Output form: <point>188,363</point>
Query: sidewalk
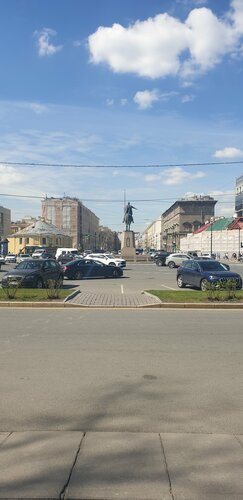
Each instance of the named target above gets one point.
<point>120,465</point>
<point>89,299</point>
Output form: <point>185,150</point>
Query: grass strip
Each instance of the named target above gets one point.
<point>33,295</point>
<point>190,296</point>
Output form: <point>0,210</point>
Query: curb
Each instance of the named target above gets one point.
<point>161,305</point>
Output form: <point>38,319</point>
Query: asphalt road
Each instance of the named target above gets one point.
<point>143,371</point>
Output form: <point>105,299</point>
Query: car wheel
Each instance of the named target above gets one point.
<point>78,275</point>
<point>171,264</point>
<point>60,282</point>
<point>159,263</point>
<point>204,285</point>
<point>115,273</point>
<point>39,283</point>
<point>180,282</point>
<point>112,264</point>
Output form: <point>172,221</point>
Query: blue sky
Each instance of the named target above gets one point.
<point>115,83</point>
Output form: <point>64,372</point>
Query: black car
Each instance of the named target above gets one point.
<point>33,273</point>
<point>160,258</point>
<point>89,268</point>
<point>199,273</point>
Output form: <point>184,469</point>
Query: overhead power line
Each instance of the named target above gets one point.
<point>157,165</point>
<point>101,200</point>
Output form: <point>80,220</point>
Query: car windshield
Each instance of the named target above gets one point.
<point>211,266</point>
<point>29,265</point>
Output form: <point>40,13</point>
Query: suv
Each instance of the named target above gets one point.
<point>161,257</point>
<point>176,259</point>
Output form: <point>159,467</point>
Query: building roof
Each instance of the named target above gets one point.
<point>220,224</point>
<point>200,201</point>
<point>236,223</point>
<point>40,227</point>
<point>202,228</point>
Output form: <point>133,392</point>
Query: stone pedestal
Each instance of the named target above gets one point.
<point>128,245</point>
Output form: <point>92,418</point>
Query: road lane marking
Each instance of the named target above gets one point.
<point>169,287</point>
<point>122,290</point>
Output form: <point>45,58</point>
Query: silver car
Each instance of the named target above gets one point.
<point>176,259</point>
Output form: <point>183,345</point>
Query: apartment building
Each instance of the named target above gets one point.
<point>5,222</point>
<point>69,214</point>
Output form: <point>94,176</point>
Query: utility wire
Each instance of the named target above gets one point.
<point>101,200</point>
<point>161,165</point>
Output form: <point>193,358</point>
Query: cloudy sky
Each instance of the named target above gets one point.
<point>134,92</point>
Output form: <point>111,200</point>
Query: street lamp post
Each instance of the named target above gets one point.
<point>211,237</point>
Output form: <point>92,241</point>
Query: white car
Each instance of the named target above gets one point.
<point>23,256</point>
<point>106,259</point>
<point>176,259</point>
<point>10,257</point>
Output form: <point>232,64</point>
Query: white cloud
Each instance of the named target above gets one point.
<point>228,153</point>
<point>36,107</point>
<point>109,102</point>
<point>10,175</point>
<point>187,98</point>
<point>45,48</point>
<point>124,101</point>
<point>146,98</point>
<point>173,175</point>
<point>77,43</point>
<point>177,175</point>
<point>165,46</point>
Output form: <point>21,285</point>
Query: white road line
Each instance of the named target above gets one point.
<point>169,287</point>
<point>122,290</point>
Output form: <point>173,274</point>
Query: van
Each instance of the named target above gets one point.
<point>65,251</point>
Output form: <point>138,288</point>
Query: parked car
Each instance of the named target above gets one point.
<point>10,258</point>
<point>90,268</point>
<point>208,255</point>
<point>199,273</point>
<point>67,257</point>
<point>107,259</point>
<point>160,258</point>
<point>2,259</point>
<point>176,259</point>
<point>33,273</point>
<point>45,256</point>
<point>23,256</point>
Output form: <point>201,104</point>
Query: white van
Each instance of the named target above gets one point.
<point>65,251</point>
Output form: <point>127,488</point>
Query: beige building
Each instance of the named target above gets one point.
<point>151,237</point>
<point>183,217</point>
<point>39,233</point>
<point>70,215</point>
<point>5,222</point>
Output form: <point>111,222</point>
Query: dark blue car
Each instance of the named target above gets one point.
<point>89,268</point>
<point>199,273</point>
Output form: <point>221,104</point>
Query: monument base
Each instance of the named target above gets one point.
<point>128,245</point>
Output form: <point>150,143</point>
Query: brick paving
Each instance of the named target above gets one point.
<point>88,299</point>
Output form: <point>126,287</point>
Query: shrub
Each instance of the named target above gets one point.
<point>10,290</point>
<point>53,289</point>
<point>222,290</point>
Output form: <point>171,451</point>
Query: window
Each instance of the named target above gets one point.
<point>43,241</point>
<point>20,241</point>
<point>27,240</point>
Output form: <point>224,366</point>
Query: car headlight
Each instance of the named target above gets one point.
<point>212,277</point>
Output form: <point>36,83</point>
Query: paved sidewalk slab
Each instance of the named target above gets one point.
<point>36,464</point>
<point>120,466</point>
<point>204,467</point>
<point>87,299</point>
